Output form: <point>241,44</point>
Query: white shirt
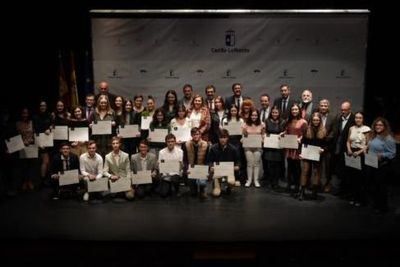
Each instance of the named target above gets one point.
<point>266,111</point>
<point>174,154</point>
<point>324,118</point>
<point>90,165</point>
<point>344,120</point>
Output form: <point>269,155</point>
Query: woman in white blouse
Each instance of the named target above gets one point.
<point>357,143</point>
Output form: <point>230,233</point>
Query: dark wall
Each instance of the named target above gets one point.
<point>34,45</point>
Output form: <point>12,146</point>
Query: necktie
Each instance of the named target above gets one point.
<point>283,105</point>
<point>196,150</point>
<point>66,164</point>
<point>263,116</point>
<point>209,104</point>
<point>89,112</point>
<point>238,102</point>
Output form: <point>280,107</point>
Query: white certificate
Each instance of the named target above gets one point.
<point>158,135</point>
<point>29,152</point>
<point>198,172</point>
<point>272,141</point>
<point>234,128</point>
<point>15,144</point>
<point>45,140</point>
<point>101,128</point>
<point>60,133</point>
<point>145,124</point>
<point>98,185</point>
<point>129,131</point>
<point>169,166</point>
<point>79,134</point>
<point>353,162</point>
<point>142,177</point>
<point>252,141</point>
<point>123,184</point>
<point>371,159</point>
<point>310,152</point>
<point>69,177</point>
<point>225,169</point>
<point>182,134</point>
<point>289,141</point>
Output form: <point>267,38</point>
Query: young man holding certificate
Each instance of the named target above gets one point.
<point>170,166</point>
<point>63,164</point>
<point>195,154</point>
<point>223,152</point>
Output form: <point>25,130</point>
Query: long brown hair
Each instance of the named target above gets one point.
<point>385,132</point>
<point>313,132</point>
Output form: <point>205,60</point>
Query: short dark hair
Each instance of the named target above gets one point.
<point>65,143</point>
<point>144,142</point>
<point>194,130</point>
<point>223,133</point>
<point>91,142</point>
<point>170,136</point>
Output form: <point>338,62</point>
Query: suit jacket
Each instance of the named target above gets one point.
<point>136,162</point>
<point>230,100</point>
<point>278,103</point>
<point>341,135</point>
<point>330,128</point>
<point>58,166</point>
<point>120,168</point>
<point>311,107</point>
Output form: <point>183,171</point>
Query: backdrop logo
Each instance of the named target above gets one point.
<point>114,74</point>
<point>343,75</point>
<point>228,75</point>
<point>172,75</point>
<point>230,38</point>
<point>286,75</point>
<point>230,45</point>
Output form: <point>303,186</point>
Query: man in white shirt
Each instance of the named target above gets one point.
<point>91,165</point>
<point>265,109</point>
<point>170,181</point>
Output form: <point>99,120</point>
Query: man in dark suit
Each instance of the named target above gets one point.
<point>236,98</point>
<point>328,121</point>
<point>187,98</point>
<point>89,107</point>
<point>210,97</point>
<point>104,90</point>
<point>285,101</point>
<point>63,161</point>
<point>342,124</point>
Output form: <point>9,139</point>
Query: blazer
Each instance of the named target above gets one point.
<point>230,100</point>
<point>58,166</point>
<point>136,162</point>
<point>278,103</point>
<point>340,136</point>
<point>121,169</point>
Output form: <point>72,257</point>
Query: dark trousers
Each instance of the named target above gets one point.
<point>143,189</point>
<point>274,171</point>
<point>377,186</point>
<point>166,188</point>
<point>294,171</point>
<point>341,173</point>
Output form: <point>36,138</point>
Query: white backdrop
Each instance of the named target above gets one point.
<point>325,53</point>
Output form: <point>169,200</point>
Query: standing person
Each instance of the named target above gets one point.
<point>328,121</point>
<point>130,117</point>
<point>91,166</point>
<point>195,153</point>
<point>273,159</point>
<point>88,109</point>
<point>159,122</point>
<point>103,112</point>
<point>253,126</point>
<point>285,101</point>
<point>187,98</point>
<point>170,105</point>
<point>144,160</point>
<point>237,97</point>
<point>223,151</point>
<point>384,146</point>
<point>307,105</point>
<point>170,181</point>
<point>63,161</point>
<point>24,127</point>
<point>343,122</point>
<point>210,97</point>
<point>77,120</point>
<point>315,136</point>
<point>42,124</point>
<point>117,165</point>
<point>216,119</point>
<point>265,108</point>
<point>148,112</point>
<point>181,121</point>
<point>104,90</point>
<point>199,116</point>
<point>295,126</point>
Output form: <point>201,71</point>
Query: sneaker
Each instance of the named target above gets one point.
<point>237,183</point>
<point>357,204</point>
<point>257,184</point>
<point>352,202</point>
<point>55,196</point>
<point>248,183</point>
<point>86,196</point>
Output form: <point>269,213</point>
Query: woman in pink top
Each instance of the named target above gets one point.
<point>253,126</point>
<point>295,126</point>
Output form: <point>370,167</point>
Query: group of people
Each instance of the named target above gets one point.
<point>208,119</point>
